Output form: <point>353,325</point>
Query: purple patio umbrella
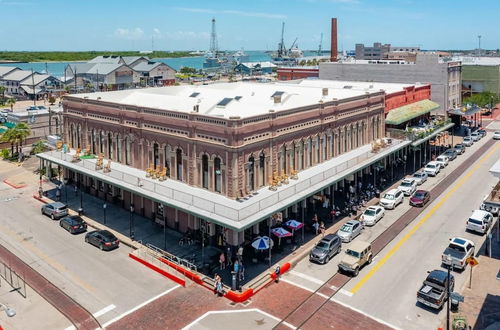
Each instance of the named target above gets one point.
<point>294,225</point>
<point>281,232</point>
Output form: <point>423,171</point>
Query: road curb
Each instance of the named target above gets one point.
<point>13,185</point>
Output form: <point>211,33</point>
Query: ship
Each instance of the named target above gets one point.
<point>284,56</point>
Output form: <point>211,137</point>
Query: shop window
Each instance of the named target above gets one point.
<point>217,175</point>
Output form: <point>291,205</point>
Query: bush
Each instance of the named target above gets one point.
<point>52,100</point>
<point>5,153</point>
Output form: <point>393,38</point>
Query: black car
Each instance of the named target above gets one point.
<point>74,224</point>
<point>329,246</point>
<point>102,239</point>
<point>459,148</point>
<point>450,153</point>
<point>482,132</point>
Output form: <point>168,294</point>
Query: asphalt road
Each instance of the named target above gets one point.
<point>390,293</point>
<point>108,284</point>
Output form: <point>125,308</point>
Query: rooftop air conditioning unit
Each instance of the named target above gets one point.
<point>325,91</point>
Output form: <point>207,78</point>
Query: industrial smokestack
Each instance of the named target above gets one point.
<point>333,51</point>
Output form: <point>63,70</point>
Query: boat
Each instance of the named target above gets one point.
<point>284,56</point>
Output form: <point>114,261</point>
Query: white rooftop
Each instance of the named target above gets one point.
<point>242,99</point>
<point>474,60</point>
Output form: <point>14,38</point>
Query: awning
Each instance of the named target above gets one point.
<point>402,114</point>
<point>465,111</point>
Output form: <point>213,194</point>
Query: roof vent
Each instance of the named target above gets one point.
<point>325,91</point>
<point>196,108</point>
<point>277,99</point>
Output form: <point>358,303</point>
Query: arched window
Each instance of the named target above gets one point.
<point>251,173</point>
<point>262,169</point>
<point>292,157</point>
<point>301,155</point>
<point>318,150</point>
<point>110,146</point>
<point>128,159</point>
<point>119,149</point>
<point>72,135</point>
<point>217,175</point>
<point>78,136</point>
<point>346,136</point>
<point>310,151</point>
<point>156,155</point>
<point>167,159</point>
<point>178,159</point>
<point>283,159</point>
<point>204,171</point>
<point>353,138</point>
<point>101,142</point>
<point>323,143</point>
<point>339,138</point>
<point>331,145</point>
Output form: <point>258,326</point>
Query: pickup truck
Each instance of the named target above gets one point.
<point>458,250</point>
<point>434,290</point>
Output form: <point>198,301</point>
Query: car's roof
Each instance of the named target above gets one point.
<point>328,237</point>
<point>374,207</point>
<point>57,204</point>
<point>359,245</point>
<point>479,214</point>
<point>460,145</point>
<point>442,156</point>
<point>460,240</point>
<point>439,275</point>
<point>352,222</point>
<point>421,191</point>
<point>432,163</point>
<point>419,173</point>
<point>392,191</point>
<point>408,180</point>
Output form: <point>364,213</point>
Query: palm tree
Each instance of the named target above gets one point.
<point>22,132</point>
<point>9,136</point>
<point>10,102</point>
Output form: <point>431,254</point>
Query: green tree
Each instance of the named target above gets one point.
<point>52,100</point>
<point>2,91</point>
<point>16,135</point>
<point>10,102</point>
<point>483,100</point>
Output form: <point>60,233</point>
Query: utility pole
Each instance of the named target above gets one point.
<point>33,83</point>
<point>479,48</point>
<point>320,44</point>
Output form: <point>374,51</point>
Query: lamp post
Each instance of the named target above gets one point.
<point>66,189</point>
<point>104,206</point>
<point>131,223</point>
<point>80,210</point>
<point>448,259</point>
<point>9,311</point>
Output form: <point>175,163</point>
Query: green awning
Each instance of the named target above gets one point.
<point>406,112</point>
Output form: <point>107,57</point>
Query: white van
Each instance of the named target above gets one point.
<point>391,199</point>
<point>480,221</point>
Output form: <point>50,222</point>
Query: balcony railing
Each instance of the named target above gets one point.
<point>417,133</point>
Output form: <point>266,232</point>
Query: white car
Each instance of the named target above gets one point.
<point>480,221</point>
<point>496,135</point>
<point>391,199</point>
<point>420,177</point>
<point>372,215</point>
<point>476,136</point>
<point>408,186</point>
<point>468,141</point>
<point>432,168</point>
<point>442,160</point>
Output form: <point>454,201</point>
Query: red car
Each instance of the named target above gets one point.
<point>420,198</point>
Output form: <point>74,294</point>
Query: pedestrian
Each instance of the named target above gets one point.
<point>316,227</point>
<point>241,273</point>
<point>325,202</point>
<point>216,280</point>
<point>58,194</point>
<point>322,229</point>
<point>222,261</point>
<point>236,266</point>
<point>315,218</point>
<point>76,190</point>
<point>239,253</point>
<point>229,256</point>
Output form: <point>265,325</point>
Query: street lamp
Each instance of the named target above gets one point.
<point>9,311</point>
<point>448,260</point>
<point>66,189</point>
<point>131,221</point>
<point>104,206</point>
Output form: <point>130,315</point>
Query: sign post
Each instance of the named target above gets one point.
<point>472,262</point>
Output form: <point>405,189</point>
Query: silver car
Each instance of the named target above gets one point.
<point>55,210</point>
<point>420,177</point>
<point>350,230</point>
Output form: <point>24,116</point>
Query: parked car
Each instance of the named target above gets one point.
<point>74,224</point>
<point>451,154</point>
<point>482,132</point>
<point>480,221</point>
<point>355,257</point>
<point>420,198</point>
<point>372,215</point>
<point>496,135</point>
<point>420,177</point>
<point>467,141</point>
<point>102,239</point>
<point>442,160</point>
<point>391,199</point>
<point>459,148</point>
<point>32,108</point>
<point>489,206</point>
<point>350,230</point>
<point>408,186</point>
<point>476,136</point>
<point>434,290</point>
<point>329,246</point>
<point>55,210</point>
<point>459,250</point>
<point>432,168</point>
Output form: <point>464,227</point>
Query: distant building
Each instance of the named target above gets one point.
<point>380,51</point>
<point>410,57</point>
<point>480,74</point>
<point>39,86</point>
<point>252,68</point>
<point>155,73</point>
<point>444,77</point>
<point>12,81</point>
<point>5,70</point>
<point>297,72</point>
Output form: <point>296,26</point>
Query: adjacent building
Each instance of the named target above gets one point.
<point>381,51</point>
<point>480,74</point>
<point>443,76</point>
<point>297,72</point>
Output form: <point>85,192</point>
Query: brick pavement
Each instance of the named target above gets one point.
<point>79,316</point>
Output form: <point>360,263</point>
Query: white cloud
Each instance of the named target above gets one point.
<point>130,34</point>
<point>234,12</point>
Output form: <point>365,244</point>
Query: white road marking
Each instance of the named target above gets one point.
<point>307,277</point>
<point>347,293</point>
<point>140,306</point>
<point>238,311</point>
<point>305,288</point>
<point>367,315</point>
<point>104,310</point>
<point>71,327</point>
<point>333,287</point>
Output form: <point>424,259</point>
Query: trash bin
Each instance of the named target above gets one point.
<point>454,305</point>
<point>80,211</point>
<point>233,281</point>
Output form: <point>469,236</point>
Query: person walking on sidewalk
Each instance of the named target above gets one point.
<point>239,254</point>
<point>222,261</point>
<point>58,194</point>
<point>322,229</point>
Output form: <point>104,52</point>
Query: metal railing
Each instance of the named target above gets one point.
<point>230,209</point>
<point>14,279</point>
<point>172,258</point>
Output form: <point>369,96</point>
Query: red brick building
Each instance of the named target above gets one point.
<point>292,73</point>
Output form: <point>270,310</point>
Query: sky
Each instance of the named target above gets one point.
<point>72,25</point>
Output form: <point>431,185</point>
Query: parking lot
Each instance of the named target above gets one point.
<point>108,284</point>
